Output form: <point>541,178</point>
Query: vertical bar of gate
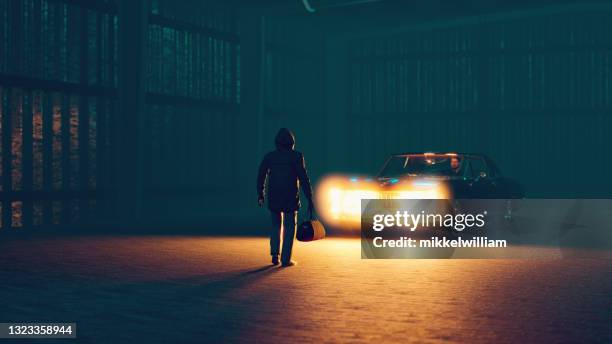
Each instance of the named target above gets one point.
<point>101,80</point>
<point>7,180</point>
<point>65,132</point>
<point>27,158</point>
<point>83,129</point>
<point>127,132</point>
<point>47,114</point>
<point>105,116</point>
<point>101,157</point>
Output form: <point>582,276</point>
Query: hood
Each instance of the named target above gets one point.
<point>284,139</point>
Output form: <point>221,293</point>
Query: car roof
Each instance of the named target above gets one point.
<point>489,162</point>
<point>440,153</point>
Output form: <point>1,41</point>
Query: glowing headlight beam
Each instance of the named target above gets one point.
<point>339,197</point>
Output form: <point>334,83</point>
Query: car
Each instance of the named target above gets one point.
<point>419,176</point>
<point>464,175</point>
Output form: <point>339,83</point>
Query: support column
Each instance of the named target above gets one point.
<point>251,123</point>
<point>126,124</point>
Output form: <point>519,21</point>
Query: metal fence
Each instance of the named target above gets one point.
<point>59,62</point>
<point>57,95</point>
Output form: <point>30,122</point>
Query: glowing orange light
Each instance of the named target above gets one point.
<point>339,200</point>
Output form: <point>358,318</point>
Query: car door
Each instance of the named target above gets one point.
<point>484,184</point>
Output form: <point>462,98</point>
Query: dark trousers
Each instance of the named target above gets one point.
<point>288,220</point>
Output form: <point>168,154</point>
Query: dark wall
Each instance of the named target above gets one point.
<point>294,88</point>
<point>191,151</point>
<point>529,88</point>
<point>147,112</point>
<point>157,112</point>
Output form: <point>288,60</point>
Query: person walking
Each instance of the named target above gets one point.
<point>281,174</point>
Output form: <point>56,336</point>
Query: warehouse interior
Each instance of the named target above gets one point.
<point>154,114</point>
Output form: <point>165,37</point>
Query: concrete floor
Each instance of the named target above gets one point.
<point>179,289</point>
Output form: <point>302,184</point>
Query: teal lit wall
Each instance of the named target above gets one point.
<point>531,89</point>
<point>155,113</point>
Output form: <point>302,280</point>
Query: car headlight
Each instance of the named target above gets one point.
<point>338,198</point>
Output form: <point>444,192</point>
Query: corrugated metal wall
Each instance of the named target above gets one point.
<point>293,88</point>
<point>57,93</point>
<point>193,110</point>
<point>79,145</point>
<point>531,90</point>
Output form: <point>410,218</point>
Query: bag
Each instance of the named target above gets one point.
<point>310,230</point>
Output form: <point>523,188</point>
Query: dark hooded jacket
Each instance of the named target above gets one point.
<point>285,171</point>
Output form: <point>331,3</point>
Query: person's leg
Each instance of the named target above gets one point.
<point>275,235</point>
<point>289,227</point>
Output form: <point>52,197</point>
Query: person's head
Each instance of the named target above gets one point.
<point>284,139</point>
<point>454,163</point>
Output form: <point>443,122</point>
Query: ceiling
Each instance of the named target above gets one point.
<point>355,16</point>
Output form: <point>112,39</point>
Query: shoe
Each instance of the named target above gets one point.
<point>274,260</point>
<point>289,263</point>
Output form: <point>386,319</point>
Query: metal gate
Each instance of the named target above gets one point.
<point>57,95</point>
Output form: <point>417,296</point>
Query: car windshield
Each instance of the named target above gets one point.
<point>423,165</point>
